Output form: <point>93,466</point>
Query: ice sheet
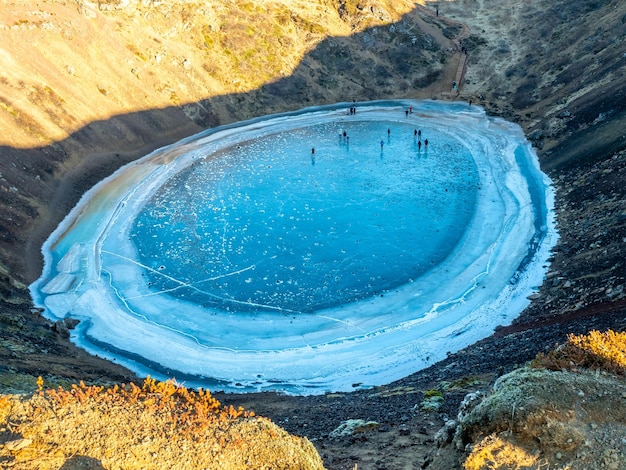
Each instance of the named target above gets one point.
<point>240,259</point>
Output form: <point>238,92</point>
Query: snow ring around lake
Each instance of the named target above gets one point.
<point>307,252</point>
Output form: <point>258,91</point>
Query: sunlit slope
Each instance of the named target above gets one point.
<point>66,64</point>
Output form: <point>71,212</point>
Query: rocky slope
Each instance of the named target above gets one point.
<point>88,86</point>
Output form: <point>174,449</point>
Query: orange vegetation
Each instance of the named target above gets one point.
<point>189,412</point>
<point>600,351</point>
<point>153,426</point>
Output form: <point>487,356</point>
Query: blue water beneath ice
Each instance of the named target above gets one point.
<point>240,259</point>
<point>268,224</point>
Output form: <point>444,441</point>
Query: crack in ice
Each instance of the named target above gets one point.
<point>183,284</point>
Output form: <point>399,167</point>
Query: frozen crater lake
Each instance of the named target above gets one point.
<point>307,252</point>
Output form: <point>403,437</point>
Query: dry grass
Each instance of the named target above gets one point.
<point>156,425</point>
<point>494,453</point>
<point>596,350</point>
<point>190,413</point>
